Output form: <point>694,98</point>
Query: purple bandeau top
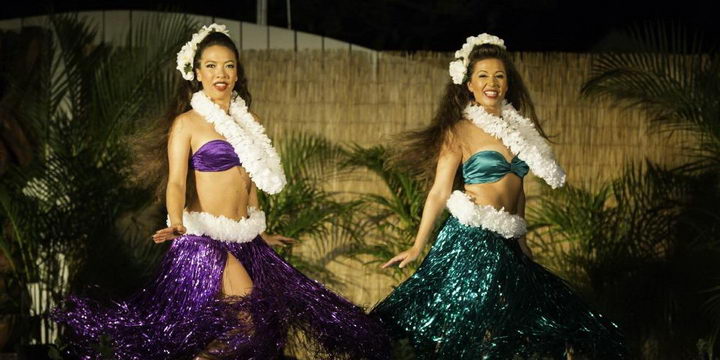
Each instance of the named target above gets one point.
<point>214,155</point>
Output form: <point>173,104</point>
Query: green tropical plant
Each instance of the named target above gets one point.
<point>672,78</point>
<point>673,74</point>
<point>391,219</point>
<point>60,211</point>
<point>643,247</point>
<point>323,220</point>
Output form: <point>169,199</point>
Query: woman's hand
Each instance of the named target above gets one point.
<point>404,257</point>
<point>277,240</point>
<point>169,233</point>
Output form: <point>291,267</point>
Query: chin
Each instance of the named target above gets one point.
<point>490,103</point>
<point>215,93</point>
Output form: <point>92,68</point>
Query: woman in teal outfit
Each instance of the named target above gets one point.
<point>478,294</point>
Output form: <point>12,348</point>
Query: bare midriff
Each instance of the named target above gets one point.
<point>503,193</point>
<point>222,193</point>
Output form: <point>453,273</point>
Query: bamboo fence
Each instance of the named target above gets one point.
<point>364,98</point>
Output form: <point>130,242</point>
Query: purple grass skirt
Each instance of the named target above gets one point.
<point>182,314</point>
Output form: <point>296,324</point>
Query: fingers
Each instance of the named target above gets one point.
<point>403,258</point>
<point>272,240</point>
<point>392,261</point>
<point>159,238</point>
<point>286,240</point>
<point>277,242</point>
<point>167,234</point>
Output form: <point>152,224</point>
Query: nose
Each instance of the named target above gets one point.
<point>223,72</point>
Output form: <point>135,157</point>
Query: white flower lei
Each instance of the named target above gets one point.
<point>485,216</point>
<point>187,53</point>
<point>458,68</point>
<point>247,137</point>
<point>519,134</point>
<point>222,228</point>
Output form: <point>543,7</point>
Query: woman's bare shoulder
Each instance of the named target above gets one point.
<point>462,126</point>
<point>186,120</point>
<point>457,136</point>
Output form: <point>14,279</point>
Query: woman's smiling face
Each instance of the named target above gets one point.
<point>217,71</point>
<point>488,83</point>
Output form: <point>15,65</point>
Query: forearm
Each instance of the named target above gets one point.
<point>175,203</point>
<point>434,206</point>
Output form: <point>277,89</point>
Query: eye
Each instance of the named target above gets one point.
<point>231,66</point>
<point>210,66</point>
<point>482,75</point>
<point>500,76</point>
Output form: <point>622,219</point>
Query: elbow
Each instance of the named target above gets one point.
<point>175,187</point>
<point>440,195</point>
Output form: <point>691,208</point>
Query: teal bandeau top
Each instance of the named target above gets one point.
<point>490,166</point>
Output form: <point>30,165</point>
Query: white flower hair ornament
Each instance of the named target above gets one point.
<point>187,53</point>
<point>458,67</point>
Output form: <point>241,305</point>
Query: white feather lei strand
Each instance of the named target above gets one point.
<point>247,137</point>
<point>222,228</point>
<point>519,134</point>
<point>485,216</point>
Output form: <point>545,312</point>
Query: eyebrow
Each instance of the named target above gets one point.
<point>228,61</point>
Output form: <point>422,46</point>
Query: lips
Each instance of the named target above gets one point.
<point>492,94</point>
<point>220,86</point>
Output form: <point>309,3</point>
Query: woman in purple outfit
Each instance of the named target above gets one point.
<point>221,291</point>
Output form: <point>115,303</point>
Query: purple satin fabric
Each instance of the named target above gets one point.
<point>214,155</point>
<point>181,314</point>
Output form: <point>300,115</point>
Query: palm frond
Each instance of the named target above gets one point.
<point>63,206</point>
<point>633,245</point>
<point>393,218</point>
<point>670,79</point>
<point>311,156</point>
<point>304,210</point>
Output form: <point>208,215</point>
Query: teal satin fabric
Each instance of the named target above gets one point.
<point>490,166</point>
<point>477,296</point>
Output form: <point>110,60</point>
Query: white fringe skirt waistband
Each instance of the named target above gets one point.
<point>485,216</point>
<point>222,228</point>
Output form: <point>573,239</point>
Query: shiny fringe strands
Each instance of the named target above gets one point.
<point>181,315</point>
<point>477,296</point>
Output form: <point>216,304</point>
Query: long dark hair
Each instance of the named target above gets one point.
<point>418,150</point>
<point>151,149</point>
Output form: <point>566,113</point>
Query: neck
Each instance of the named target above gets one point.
<point>495,110</point>
<point>223,102</point>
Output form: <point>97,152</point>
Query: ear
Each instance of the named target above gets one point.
<point>198,75</point>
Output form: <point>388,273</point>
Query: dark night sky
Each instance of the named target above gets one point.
<point>440,25</point>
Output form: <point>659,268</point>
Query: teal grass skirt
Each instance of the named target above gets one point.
<point>478,296</point>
